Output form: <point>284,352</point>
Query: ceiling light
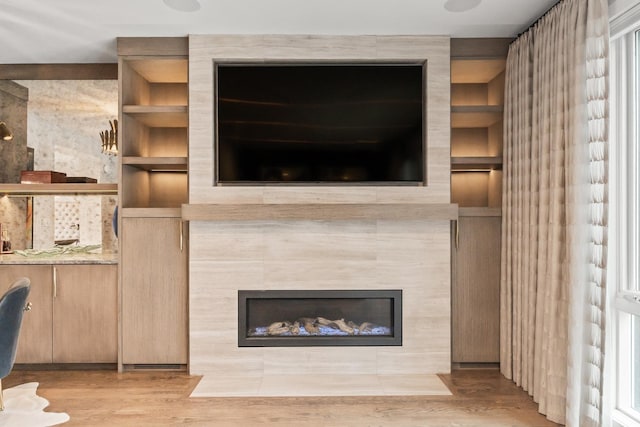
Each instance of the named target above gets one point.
<point>5,133</point>
<point>183,5</point>
<point>461,5</point>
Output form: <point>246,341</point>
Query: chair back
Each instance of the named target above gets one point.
<point>12,305</point>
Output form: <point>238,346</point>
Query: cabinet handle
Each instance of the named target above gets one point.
<point>55,282</point>
<point>181,235</point>
<point>457,234</point>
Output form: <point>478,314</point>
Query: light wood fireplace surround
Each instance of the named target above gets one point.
<point>318,237</point>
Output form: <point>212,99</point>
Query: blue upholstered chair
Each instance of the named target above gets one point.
<point>12,306</point>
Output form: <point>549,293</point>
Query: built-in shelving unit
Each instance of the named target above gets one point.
<point>154,114</point>
<point>477,93</point>
<point>154,117</point>
<point>21,190</point>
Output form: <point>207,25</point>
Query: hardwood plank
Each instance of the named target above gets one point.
<point>157,46</point>
<point>481,211</point>
<point>158,115</point>
<point>480,48</point>
<point>476,162</point>
<point>150,213</point>
<point>107,71</point>
<point>57,189</point>
<point>162,163</point>
<point>481,398</point>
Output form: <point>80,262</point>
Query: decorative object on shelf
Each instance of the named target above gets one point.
<point>114,221</point>
<point>42,177</point>
<point>81,180</point>
<point>5,133</point>
<point>5,241</point>
<point>110,139</point>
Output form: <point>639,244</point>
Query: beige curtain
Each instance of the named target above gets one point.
<point>554,211</point>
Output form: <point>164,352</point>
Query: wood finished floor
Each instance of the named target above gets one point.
<point>106,398</point>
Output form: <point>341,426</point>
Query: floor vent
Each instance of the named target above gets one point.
<point>155,367</point>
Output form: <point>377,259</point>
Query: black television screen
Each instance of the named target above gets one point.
<point>319,123</point>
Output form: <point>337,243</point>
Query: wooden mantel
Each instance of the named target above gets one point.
<point>319,211</point>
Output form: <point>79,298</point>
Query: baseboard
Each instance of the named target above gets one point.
<point>65,367</point>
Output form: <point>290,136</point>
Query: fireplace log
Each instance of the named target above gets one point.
<point>366,327</point>
<point>310,325</point>
<point>353,326</point>
<point>342,325</point>
<point>295,328</point>
<point>324,322</point>
<point>278,328</point>
<point>336,324</point>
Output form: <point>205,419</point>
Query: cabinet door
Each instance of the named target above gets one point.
<point>34,343</point>
<point>476,291</point>
<point>85,315</point>
<point>154,291</point>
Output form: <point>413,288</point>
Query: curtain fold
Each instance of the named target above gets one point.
<point>554,211</point>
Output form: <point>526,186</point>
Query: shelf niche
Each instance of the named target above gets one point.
<point>154,132</point>
<point>477,96</point>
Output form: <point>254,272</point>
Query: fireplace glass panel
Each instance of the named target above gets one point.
<point>328,318</point>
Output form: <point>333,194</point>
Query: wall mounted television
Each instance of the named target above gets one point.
<point>324,123</point>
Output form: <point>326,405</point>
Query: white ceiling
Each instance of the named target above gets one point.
<point>68,31</point>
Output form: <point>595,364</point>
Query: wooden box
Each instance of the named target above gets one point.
<point>42,177</point>
<point>81,180</point>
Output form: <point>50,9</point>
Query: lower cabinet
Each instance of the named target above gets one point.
<point>154,292</point>
<point>73,318</point>
<point>475,296</point>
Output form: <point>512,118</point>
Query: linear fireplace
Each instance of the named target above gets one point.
<point>293,318</point>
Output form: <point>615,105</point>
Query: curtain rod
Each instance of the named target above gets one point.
<point>546,12</point>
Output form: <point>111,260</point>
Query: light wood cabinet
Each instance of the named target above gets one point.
<point>85,327</point>
<point>477,93</point>
<point>154,142</point>
<point>475,297</point>
<point>36,341</point>
<point>154,294</point>
<point>73,318</point>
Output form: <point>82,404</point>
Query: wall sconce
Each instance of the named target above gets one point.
<point>110,139</point>
<point>5,133</point>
